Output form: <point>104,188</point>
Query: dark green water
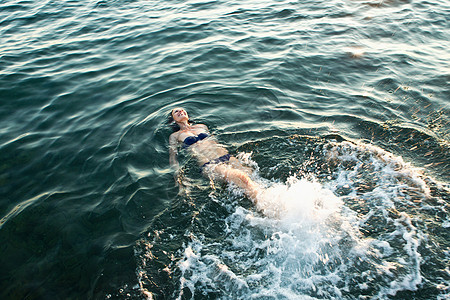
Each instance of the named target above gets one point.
<point>342,108</point>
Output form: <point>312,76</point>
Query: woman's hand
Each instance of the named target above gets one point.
<point>180,182</point>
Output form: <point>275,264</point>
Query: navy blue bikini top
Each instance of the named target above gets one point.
<point>190,140</point>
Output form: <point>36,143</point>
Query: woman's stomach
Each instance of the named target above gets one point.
<point>207,150</point>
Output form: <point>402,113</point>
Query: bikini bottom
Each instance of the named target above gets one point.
<point>218,160</point>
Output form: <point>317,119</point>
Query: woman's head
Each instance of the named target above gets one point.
<point>178,115</point>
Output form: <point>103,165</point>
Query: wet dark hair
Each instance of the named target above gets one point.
<point>173,124</point>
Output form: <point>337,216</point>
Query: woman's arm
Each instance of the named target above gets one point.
<point>173,144</point>
<point>177,175</point>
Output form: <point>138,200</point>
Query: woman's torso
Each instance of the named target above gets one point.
<point>203,150</point>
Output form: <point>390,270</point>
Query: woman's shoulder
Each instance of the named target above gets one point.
<point>202,126</point>
<point>174,136</point>
<point>194,129</point>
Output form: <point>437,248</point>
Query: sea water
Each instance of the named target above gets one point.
<point>339,107</point>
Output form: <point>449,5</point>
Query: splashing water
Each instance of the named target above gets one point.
<point>352,234</point>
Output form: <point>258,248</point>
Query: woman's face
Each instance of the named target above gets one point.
<point>179,114</point>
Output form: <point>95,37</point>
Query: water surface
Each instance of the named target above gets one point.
<point>341,107</point>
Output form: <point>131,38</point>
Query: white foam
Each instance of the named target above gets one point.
<point>301,241</point>
<point>275,248</point>
<point>297,202</point>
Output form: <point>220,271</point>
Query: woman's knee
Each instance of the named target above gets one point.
<point>236,176</point>
<point>242,177</point>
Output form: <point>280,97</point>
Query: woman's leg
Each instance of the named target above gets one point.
<point>235,163</point>
<point>239,178</point>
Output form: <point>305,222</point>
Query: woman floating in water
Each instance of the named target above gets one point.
<point>212,157</point>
